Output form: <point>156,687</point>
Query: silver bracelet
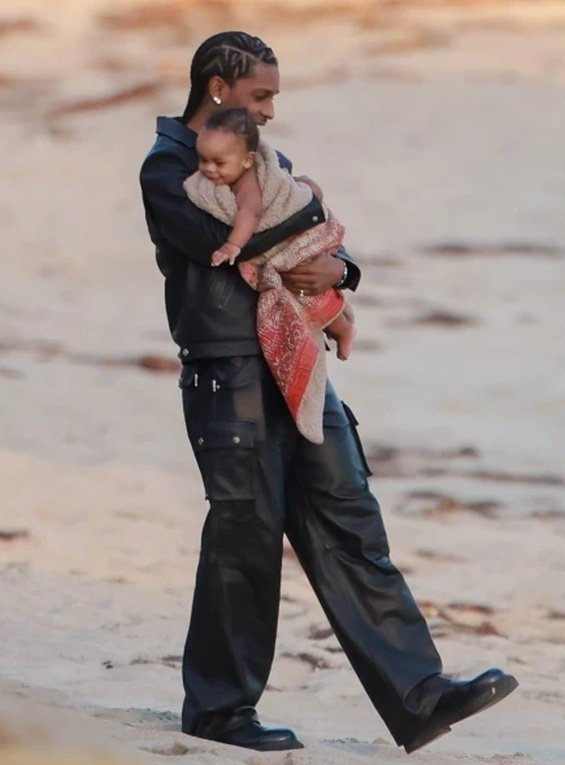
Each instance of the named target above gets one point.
<point>343,279</point>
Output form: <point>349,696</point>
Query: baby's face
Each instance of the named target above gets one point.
<point>223,156</point>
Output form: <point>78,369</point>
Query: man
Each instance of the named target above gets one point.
<point>261,477</point>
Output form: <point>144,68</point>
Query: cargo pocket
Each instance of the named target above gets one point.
<point>225,455</point>
<point>353,424</point>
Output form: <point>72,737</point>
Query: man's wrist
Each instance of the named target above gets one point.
<point>342,283</point>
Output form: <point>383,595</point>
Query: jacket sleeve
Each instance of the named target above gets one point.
<point>172,219</point>
<point>353,270</point>
<point>174,222</point>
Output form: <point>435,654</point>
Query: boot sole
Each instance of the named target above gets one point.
<point>282,747</point>
<point>425,738</point>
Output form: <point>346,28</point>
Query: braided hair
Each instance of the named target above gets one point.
<point>229,55</point>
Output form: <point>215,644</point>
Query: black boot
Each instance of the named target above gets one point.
<point>459,699</point>
<point>253,735</point>
<point>242,728</point>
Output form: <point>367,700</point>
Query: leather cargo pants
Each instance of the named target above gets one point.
<point>263,479</point>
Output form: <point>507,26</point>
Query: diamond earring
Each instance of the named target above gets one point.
<point>217,100</point>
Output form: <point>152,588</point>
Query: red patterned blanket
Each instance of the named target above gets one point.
<point>290,328</point>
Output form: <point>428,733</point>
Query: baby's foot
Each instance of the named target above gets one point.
<point>345,343</point>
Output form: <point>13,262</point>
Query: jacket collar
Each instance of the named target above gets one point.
<point>173,127</point>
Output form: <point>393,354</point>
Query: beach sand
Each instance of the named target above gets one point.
<point>436,131</point>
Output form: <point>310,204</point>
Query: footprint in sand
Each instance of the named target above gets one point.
<point>176,750</point>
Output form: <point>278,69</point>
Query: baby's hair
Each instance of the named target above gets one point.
<point>237,121</point>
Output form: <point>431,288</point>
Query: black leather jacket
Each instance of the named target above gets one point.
<point>211,311</point>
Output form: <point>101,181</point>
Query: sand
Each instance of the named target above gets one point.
<point>436,131</point>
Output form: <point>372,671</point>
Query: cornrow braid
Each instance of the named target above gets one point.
<point>229,55</point>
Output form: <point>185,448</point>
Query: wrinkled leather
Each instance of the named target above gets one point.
<point>263,479</point>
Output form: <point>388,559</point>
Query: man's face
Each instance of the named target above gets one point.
<point>255,93</point>
<point>223,157</point>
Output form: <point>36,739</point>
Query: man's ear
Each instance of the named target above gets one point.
<point>249,160</point>
<point>217,89</point>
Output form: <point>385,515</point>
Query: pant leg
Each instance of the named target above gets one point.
<point>230,642</point>
<point>335,525</point>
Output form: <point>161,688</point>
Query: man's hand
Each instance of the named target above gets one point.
<point>317,276</point>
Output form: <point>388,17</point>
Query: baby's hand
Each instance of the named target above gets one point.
<point>227,253</point>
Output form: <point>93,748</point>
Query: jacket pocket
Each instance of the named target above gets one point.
<point>225,455</point>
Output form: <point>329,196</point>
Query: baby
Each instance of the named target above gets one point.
<point>227,148</point>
